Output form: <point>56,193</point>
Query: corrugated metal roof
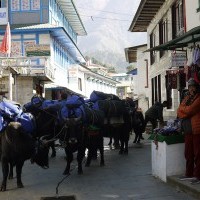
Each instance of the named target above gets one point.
<point>145,13</point>
<point>69,10</point>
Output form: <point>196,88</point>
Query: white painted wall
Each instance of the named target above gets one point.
<point>167,160</point>
<point>162,64</point>
<point>143,93</point>
<point>90,82</point>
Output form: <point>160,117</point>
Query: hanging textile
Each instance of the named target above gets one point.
<point>190,57</point>
<point>175,79</point>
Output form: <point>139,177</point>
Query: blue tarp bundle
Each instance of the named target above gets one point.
<point>70,107</point>
<point>97,95</point>
<point>11,112</point>
<point>73,106</point>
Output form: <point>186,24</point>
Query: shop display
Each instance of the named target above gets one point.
<point>171,133</point>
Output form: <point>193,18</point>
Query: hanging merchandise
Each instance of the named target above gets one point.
<point>190,57</point>
<point>197,76</point>
<point>173,78</point>
<point>196,56</point>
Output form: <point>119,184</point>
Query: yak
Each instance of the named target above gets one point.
<point>82,130</point>
<point>73,139</point>
<point>17,146</point>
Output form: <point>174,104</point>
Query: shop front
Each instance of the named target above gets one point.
<point>167,151</point>
<point>167,143</point>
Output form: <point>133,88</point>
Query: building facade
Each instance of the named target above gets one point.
<point>44,46</point>
<point>141,84</point>
<point>172,27</point>
<point>125,85</point>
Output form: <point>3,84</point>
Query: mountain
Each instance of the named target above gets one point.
<point>107,23</point>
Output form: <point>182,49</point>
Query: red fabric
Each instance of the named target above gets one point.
<point>191,111</point>
<point>196,146</point>
<point>192,155</point>
<point>6,42</point>
<point>172,80</point>
<point>189,155</point>
<point>196,77</point>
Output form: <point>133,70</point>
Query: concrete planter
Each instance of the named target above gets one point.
<point>167,160</point>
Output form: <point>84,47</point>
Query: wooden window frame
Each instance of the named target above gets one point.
<point>163,34</point>
<point>178,15</point>
<point>80,84</point>
<point>156,89</point>
<point>152,44</point>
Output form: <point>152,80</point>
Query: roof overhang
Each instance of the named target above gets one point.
<point>131,53</point>
<point>57,32</point>
<point>89,72</point>
<point>144,15</point>
<point>69,10</point>
<point>187,38</point>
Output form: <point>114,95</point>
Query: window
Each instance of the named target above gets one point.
<point>163,34</point>
<point>15,5</point>
<point>156,89</point>
<point>25,5</point>
<point>178,19</point>
<point>198,9</point>
<point>168,92</point>
<point>152,44</point>
<point>3,4</point>
<point>80,84</point>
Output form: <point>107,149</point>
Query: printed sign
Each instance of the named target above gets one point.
<point>3,16</point>
<point>178,59</point>
<point>38,50</point>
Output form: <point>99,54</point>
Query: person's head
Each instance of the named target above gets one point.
<point>193,86</point>
<point>164,103</point>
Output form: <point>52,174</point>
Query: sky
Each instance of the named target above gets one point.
<point>114,16</point>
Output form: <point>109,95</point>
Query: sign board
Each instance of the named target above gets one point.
<point>73,72</point>
<point>3,16</point>
<point>178,59</point>
<point>38,50</point>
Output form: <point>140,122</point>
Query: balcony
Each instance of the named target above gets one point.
<point>39,67</point>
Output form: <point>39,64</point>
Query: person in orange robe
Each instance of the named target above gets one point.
<point>189,112</point>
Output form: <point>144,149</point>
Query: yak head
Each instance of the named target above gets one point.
<point>74,129</point>
<point>26,145</point>
<point>41,157</point>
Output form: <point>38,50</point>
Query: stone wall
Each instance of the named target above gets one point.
<point>23,89</point>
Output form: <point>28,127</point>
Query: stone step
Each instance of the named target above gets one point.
<point>184,186</point>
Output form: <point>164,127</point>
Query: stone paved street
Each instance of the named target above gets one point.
<point>123,177</point>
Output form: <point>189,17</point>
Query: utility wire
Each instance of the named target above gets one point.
<point>92,17</point>
<point>117,13</point>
